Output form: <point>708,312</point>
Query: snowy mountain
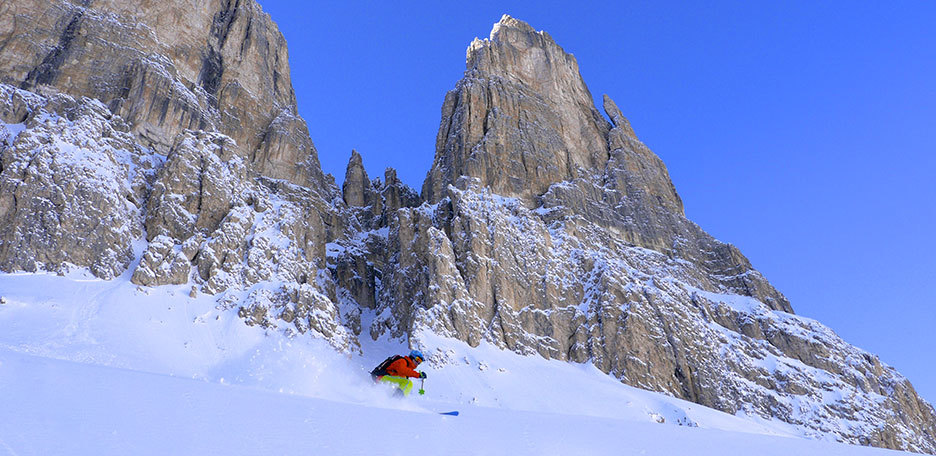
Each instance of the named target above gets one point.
<point>154,157</point>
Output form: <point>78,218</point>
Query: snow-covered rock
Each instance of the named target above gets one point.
<point>484,269</point>
<point>166,67</point>
<point>73,185</point>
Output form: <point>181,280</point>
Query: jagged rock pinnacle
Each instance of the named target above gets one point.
<point>520,120</point>
<point>358,190</point>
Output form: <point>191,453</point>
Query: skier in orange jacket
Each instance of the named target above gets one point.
<point>397,370</point>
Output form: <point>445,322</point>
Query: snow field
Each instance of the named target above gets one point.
<point>104,367</point>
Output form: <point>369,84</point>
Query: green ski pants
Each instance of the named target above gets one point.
<point>403,383</point>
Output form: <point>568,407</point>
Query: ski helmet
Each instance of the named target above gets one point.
<point>416,354</point>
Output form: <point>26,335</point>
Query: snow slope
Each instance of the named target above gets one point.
<point>104,367</point>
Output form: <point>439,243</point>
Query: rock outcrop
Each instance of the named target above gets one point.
<point>358,190</point>
<point>358,261</point>
<point>164,263</point>
<point>520,120</point>
<point>73,184</point>
<point>166,67</point>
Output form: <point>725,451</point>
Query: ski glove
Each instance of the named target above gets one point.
<point>422,375</point>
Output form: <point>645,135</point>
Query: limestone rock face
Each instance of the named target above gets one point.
<point>72,185</point>
<point>357,260</point>
<point>481,267</point>
<point>522,123</point>
<point>396,194</point>
<point>634,199</point>
<point>77,190</point>
<point>163,263</point>
<point>358,190</point>
<point>166,67</point>
<point>237,229</point>
<point>201,181</point>
<point>175,117</point>
<point>520,120</point>
<point>374,201</point>
<point>302,309</point>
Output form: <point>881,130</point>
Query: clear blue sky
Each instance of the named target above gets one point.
<point>803,133</point>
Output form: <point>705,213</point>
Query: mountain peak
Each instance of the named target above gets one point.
<point>515,49</point>
<point>508,22</point>
<point>505,30</point>
<point>520,120</point>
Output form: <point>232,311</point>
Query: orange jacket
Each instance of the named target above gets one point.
<point>403,367</point>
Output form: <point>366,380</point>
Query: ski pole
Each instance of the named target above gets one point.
<point>422,383</point>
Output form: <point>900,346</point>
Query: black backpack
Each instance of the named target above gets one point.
<point>381,370</point>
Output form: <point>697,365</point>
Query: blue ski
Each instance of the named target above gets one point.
<point>452,413</point>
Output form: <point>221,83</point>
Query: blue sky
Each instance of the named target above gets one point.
<point>803,133</point>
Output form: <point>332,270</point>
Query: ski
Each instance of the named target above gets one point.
<point>452,413</point>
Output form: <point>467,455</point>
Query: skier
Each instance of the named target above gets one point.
<point>397,370</point>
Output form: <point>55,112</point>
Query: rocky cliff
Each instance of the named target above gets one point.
<point>165,67</point>
<point>167,132</point>
<point>160,142</point>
